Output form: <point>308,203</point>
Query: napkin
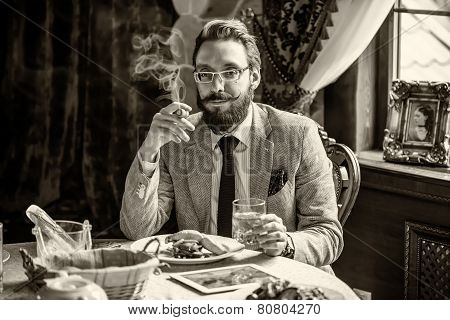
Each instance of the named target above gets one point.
<point>221,245</point>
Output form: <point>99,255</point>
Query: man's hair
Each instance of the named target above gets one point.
<point>229,30</point>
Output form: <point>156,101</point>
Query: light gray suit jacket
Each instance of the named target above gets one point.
<point>279,140</point>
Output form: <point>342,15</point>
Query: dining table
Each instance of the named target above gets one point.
<point>164,287</point>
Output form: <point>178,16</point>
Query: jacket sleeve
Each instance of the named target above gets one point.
<point>318,240</point>
<point>147,201</point>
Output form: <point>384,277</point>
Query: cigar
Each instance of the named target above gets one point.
<point>181,113</point>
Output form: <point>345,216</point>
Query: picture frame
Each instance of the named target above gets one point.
<point>418,123</point>
<point>224,279</point>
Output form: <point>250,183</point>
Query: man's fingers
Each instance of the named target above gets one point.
<point>274,245</point>
<point>171,123</point>
<point>272,237</point>
<point>273,248</point>
<point>269,227</point>
<point>173,136</point>
<point>270,217</point>
<point>183,123</point>
<point>269,223</point>
<point>188,125</point>
<point>174,129</point>
<point>181,113</point>
<point>174,106</point>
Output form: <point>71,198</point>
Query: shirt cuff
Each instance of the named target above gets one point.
<point>148,168</point>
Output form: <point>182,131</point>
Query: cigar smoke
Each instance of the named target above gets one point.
<point>157,59</point>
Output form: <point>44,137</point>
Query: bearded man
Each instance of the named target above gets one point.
<point>184,166</point>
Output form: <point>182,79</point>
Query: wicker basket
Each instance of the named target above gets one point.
<point>122,273</point>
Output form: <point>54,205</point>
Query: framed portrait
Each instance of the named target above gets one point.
<point>418,124</point>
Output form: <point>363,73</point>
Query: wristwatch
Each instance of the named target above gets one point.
<point>288,251</point>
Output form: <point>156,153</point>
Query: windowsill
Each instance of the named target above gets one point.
<point>373,159</point>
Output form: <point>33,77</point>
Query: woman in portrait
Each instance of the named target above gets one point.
<point>423,121</point>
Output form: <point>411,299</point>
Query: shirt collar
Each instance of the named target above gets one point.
<point>242,131</point>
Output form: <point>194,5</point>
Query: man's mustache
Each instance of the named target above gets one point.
<point>220,96</point>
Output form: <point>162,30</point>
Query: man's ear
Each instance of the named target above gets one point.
<point>255,77</point>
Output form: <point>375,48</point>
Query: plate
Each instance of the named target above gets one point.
<point>5,255</point>
<point>167,257</point>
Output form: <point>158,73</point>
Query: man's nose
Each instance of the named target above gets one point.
<point>217,83</point>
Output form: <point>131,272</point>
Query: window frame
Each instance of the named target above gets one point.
<point>389,52</point>
<point>397,12</point>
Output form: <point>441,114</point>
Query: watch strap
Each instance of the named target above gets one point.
<point>288,251</point>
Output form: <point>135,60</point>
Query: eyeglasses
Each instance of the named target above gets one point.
<point>227,75</point>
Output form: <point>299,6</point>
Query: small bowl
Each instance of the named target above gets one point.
<point>71,288</point>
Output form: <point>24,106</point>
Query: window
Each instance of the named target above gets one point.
<point>421,45</point>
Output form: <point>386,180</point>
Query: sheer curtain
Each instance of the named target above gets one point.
<point>354,25</point>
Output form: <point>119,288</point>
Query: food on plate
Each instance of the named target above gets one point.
<point>185,235</point>
<point>188,249</point>
<point>215,244</point>
<point>277,289</point>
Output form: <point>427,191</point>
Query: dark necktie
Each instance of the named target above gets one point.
<point>227,187</point>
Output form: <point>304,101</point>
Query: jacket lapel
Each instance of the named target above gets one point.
<point>261,154</point>
<point>199,173</point>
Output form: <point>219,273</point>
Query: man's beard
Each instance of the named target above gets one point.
<point>220,121</point>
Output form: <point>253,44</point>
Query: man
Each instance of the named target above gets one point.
<point>275,156</point>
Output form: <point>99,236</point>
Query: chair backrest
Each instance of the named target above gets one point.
<point>346,174</point>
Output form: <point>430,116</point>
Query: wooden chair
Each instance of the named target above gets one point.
<point>346,174</point>
<point>427,262</point>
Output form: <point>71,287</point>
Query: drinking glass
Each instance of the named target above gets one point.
<point>79,232</point>
<point>246,216</point>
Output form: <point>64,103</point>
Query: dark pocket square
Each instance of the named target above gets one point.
<point>277,181</point>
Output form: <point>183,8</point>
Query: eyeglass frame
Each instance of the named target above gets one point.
<point>220,75</point>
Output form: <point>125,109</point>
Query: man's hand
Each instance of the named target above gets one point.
<point>272,235</point>
<point>169,124</point>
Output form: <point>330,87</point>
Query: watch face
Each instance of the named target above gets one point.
<point>288,252</point>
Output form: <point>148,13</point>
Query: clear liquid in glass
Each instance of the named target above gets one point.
<point>243,225</point>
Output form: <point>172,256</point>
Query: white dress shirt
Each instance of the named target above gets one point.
<point>241,160</point>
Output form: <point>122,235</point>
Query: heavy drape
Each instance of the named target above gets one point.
<point>307,44</point>
<point>70,119</point>
<point>290,34</point>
